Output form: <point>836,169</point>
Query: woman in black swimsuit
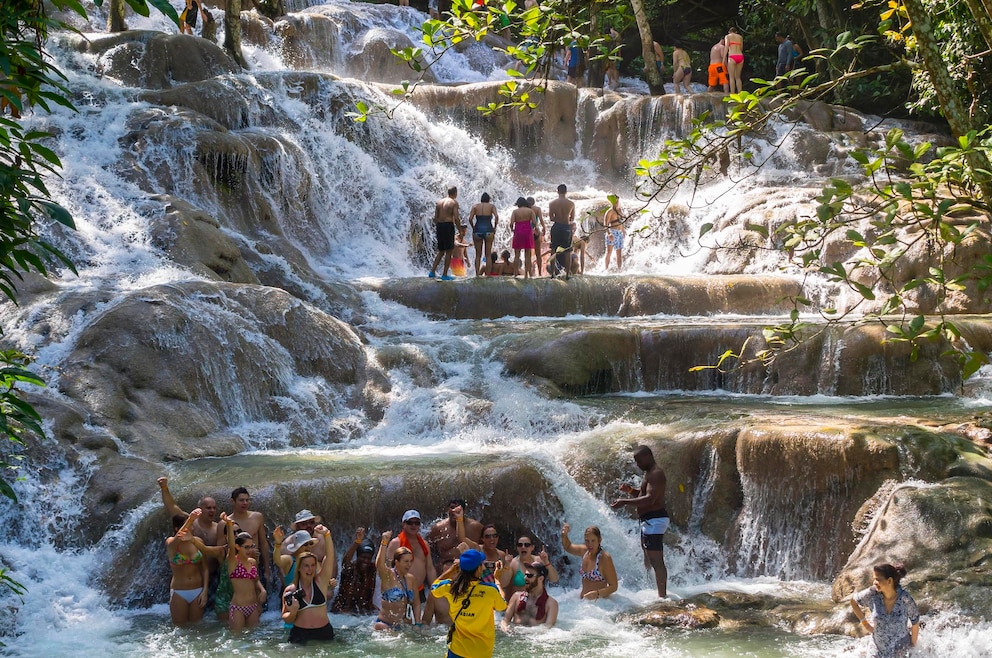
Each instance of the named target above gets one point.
<point>483,218</point>
<point>304,603</point>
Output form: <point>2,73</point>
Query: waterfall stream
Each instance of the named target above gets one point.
<point>220,222</point>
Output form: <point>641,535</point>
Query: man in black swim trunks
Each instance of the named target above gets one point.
<point>445,220</point>
<point>650,504</point>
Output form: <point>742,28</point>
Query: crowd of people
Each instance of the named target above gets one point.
<point>453,574</point>
<point>560,251</point>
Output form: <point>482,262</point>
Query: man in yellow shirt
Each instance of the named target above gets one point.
<point>473,602</point>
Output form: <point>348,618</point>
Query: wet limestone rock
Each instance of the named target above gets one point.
<point>668,614</point>
<point>169,370</point>
<point>549,130</point>
<point>625,295</point>
<point>194,239</point>
<point>152,60</point>
<point>942,532</point>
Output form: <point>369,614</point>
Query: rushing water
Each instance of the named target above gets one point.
<point>386,184</point>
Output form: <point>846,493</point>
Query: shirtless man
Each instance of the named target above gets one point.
<point>254,524</point>
<point>561,211</point>
<point>444,541</point>
<point>531,606</point>
<point>205,527</point>
<point>718,68</point>
<point>423,567</point>
<point>659,57</point>
<point>445,221</point>
<point>650,504</point>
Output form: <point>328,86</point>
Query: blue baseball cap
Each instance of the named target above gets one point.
<point>470,560</point>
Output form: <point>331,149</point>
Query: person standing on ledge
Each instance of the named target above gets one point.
<point>718,68</point>
<point>650,504</point>
<point>895,623</point>
<point>445,219</point>
<point>562,214</point>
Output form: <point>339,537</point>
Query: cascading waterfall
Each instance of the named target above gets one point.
<point>315,204</point>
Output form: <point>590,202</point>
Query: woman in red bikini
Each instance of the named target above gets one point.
<point>246,603</point>
<point>735,60</point>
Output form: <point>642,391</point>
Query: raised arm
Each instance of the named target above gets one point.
<point>552,572</point>
<point>167,500</point>
<point>349,554</point>
<point>327,566</point>
<point>215,552</point>
<point>566,543</point>
<point>380,555</point>
<point>283,562</point>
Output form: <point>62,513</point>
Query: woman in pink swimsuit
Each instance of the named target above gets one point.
<point>246,603</point>
<point>599,576</point>
<point>522,219</point>
<point>735,60</point>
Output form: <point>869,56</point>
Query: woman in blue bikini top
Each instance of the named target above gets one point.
<point>399,588</point>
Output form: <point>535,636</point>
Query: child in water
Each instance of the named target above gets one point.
<point>459,255</point>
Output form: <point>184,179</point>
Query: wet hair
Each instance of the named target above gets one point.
<point>530,201</point>
<point>178,520</point>
<point>540,568</point>
<point>400,552</point>
<point>599,535</point>
<point>457,501</point>
<point>643,450</point>
<point>452,191</point>
<point>505,254</point>
<point>521,202</point>
<point>299,563</point>
<point>488,526</point>
<point>894,571</point>
<point>562,188</point>
<point>494,256</point>
<point>486,198</point>
<point>237,492</point>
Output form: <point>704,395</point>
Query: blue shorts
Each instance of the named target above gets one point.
<point>614,238</point>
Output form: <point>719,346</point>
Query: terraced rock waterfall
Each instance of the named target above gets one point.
<point>252,309</point>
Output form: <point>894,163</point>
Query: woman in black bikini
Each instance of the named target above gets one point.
<point>304,603</point>
<point>599,576</point>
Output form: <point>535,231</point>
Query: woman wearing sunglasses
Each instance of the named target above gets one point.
<point>513,579</point>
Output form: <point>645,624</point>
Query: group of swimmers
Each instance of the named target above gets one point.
<point>421,576</point>
<point>559,252</point>
<point>453,574</point>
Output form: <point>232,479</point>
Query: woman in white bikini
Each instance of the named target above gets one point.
<point>188,593</point>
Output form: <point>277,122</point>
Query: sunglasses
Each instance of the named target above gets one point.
<point>524,544</point>
<point>490,536</point>
<point>530,575</point>
<point>414,522</point>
